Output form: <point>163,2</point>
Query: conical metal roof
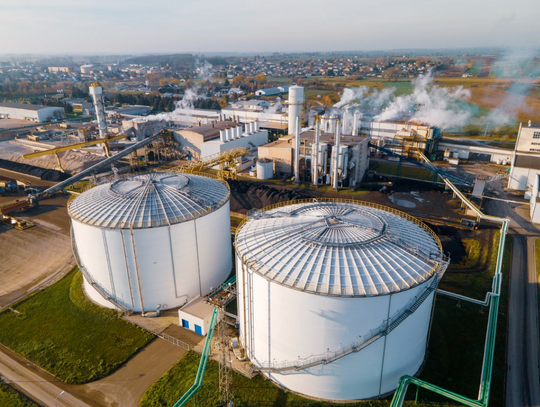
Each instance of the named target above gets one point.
<point>149,200</point>
<point>343,249</point>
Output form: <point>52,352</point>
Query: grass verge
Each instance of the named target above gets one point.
<point>473,284</point>
<point>12,398</point>
<point>60,330</point>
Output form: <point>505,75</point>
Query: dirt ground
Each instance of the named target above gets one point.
<point>29,257</point>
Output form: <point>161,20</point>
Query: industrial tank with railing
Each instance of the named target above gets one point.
<point>152,241</point>
<point>335,298</point>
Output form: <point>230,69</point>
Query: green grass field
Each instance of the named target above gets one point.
<point>60,330</point>
<point>12,398</point>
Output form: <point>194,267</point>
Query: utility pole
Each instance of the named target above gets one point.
<point>226,394</point>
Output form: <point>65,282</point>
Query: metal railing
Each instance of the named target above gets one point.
<point>353,202</point>
<point>384,329</point>
<point>163,222</point>
<point>175,341</point>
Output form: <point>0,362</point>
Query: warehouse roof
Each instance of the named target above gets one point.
<point>25,106</point>
<point>343,249</point>
<point>211,131</point>
<point>149,200</point>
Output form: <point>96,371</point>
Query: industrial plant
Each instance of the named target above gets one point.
<point>325,295</point>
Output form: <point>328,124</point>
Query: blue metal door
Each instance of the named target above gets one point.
<point>185,324</point>
<point>198,329</point>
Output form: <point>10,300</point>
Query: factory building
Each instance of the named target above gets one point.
<point>243,113</point>
<point>142,128</point>
<point>273,91</point>
<point>130,110</point>
<point>209,139</point>
<point>154,241</point>
<point>254,105</point>
<point>404,138</point>
<point>335,299</point>
<point>525,163</point>
<point>353,157</point>
<point>34,113</point>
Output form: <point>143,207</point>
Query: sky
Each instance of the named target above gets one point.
<point>175,26</point>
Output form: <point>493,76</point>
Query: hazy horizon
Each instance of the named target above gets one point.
<point>60,27</point>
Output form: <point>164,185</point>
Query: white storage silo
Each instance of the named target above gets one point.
<point>296,104</point>
<point>265,169</point>
<point>334,299</point>
<point>152,241</point>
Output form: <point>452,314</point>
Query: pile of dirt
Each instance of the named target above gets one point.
<point>247,195</point>
<point>43,173</point>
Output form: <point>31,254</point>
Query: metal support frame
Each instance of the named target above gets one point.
<point>492,298</point>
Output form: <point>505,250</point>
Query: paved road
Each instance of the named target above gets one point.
<point>29,382</point>
<point>522,377</point>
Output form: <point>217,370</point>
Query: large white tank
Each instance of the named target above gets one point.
<point>334,299</point>
<point>265,169</point>
<point>152,241</point>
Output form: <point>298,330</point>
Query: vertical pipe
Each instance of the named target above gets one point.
<point>315,163</point>
<point>336,156</point>
<point>355,124</point>
<point>297,152</point>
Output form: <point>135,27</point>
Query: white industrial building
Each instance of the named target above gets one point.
<point>34,113</point>
<point>209,139</point>
<point>153,241</point>
<point>129,110</point>
<point>525,163</point>
<point>196,315</point>
<point>335,299</point>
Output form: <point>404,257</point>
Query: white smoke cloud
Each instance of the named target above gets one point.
<point>516,95</point>
<point>204,71</point>
<point>431,104</point>
<point>351,95</point>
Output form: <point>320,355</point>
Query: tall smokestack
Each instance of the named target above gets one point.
<point>296,101</point>
<point>315,167</point>
<point>336,158</point>
<point>355,124</point>
<point>344,120</point>
<point>297,152</point>
<point>96,91</point>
